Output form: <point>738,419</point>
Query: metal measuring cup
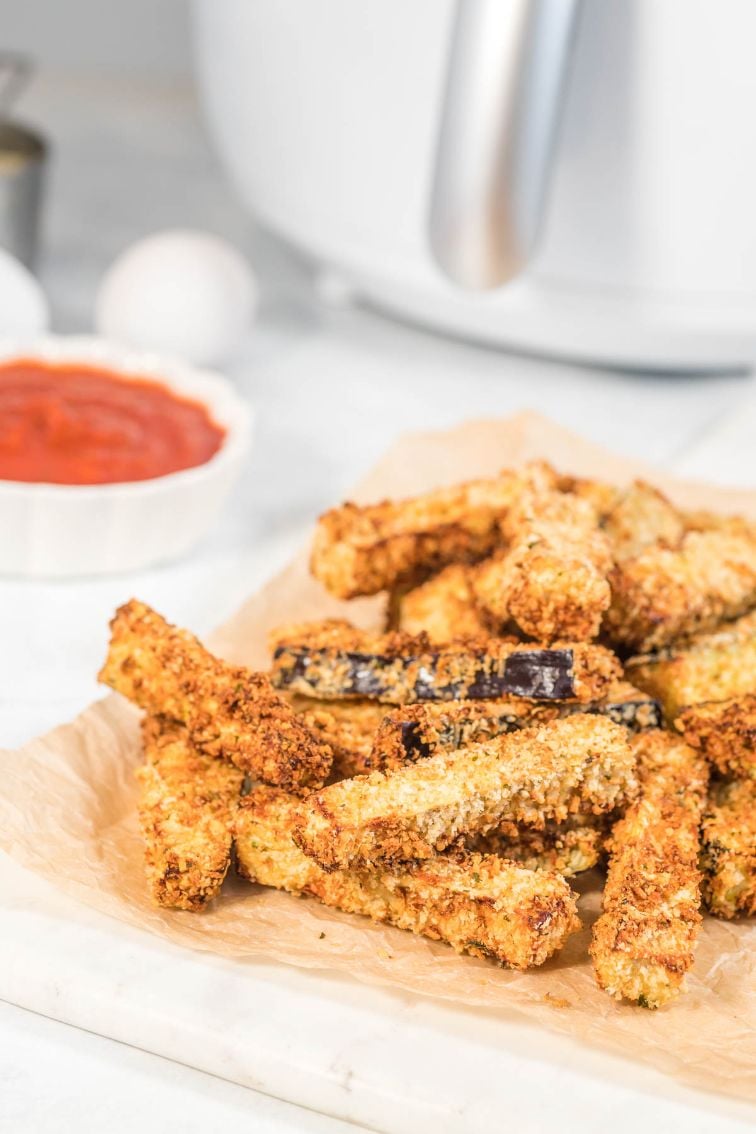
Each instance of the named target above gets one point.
<point>23,155</point>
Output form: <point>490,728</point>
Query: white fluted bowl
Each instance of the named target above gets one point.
<point>63,531</point>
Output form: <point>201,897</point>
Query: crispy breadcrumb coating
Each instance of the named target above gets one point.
<point>728,857</point>
<point>444,608</point>
<point>642,516</point>
<point>552,577</point>
<point>187,803</point>
<point>537,774</point>
<point>414,732</point>
<point>725,731</point>
<point>229,711</point>
<point>368,736</point>
<point>665,593</point>
<point>601,496</point>
<point>477,904</point>
<point>703,521</point>
<point>644,941</point>
<point>348,727</point>
<point>567,848</point>
<point>360,550</point>
<point>335,660</point>
<point>709,667</point>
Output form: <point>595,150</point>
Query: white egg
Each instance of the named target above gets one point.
<point>179,292</point>
<point>24,310</point>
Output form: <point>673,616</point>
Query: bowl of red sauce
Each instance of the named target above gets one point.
<point>110,460</point>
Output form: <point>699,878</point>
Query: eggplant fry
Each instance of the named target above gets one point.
<point>643,942</point>
<point>552,577</point>
<point>414,732</point>
<point>710,667</point>
<point>187,804</point>
<point>229,711</point>
<point>566,848</point>
<point>725,731</point>
<point>478,904</point>
<point>547,772</point>
<point>361,550</point>
<point>334,660</point>
<point>642,516</point>
<point>667,593</point>
<point>444,608</point>
<point>728,858</point>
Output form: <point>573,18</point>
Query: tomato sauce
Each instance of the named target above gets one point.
<point>72,424</point>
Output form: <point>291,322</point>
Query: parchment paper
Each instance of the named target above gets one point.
<point>67,812</point>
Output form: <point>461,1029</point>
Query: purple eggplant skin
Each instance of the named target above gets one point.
<point>540,674</point>
<point>545,675</point>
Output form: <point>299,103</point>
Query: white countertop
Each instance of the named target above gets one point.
<point>55,1079</point>
<point>332,386</point>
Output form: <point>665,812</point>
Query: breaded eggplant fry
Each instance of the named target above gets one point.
<point>627,706</point>
<point>187,804</point>
<point>333,660</point>
<point>667,593</point>
<point>642,516</point>
<point>477,904</point>
<point>552,577</point>
<point>444,608</point>
<point>414,732</point>
<point>538,774</point>
<point>358,551</point>
<point>367,736</point>
<point>229,711</point>
<point>643,942</point>
<point>710,667</point>
<point>363,550</point>
<point>728,857</point>
<point>567,848</point>
<point>348,727</point>
<point>725,731</point>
